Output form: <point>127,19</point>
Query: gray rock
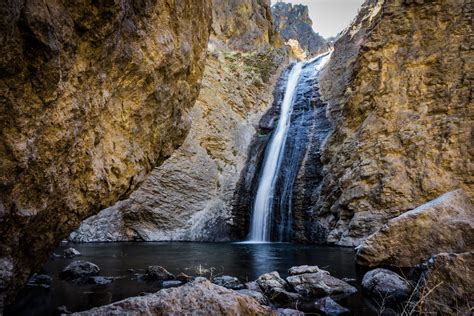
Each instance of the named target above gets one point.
<point>228,282</point>
<point>41,280</point>
<point>319,284</point>
<point>253,286</point>
<point>328,306</point>
<point>100,280</point>
<point>71,253</point>
<point>158,273</point>
<point>79,269</point>
<point>276,289</point>
<point>387,285</point>
<point>258,296</point>
<point>288,312</point>
<point>303,269</point>
<point>199,297</point>
<point>270,281</point>
<point>173,283</point>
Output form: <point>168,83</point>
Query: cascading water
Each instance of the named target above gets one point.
<point>263,205</point>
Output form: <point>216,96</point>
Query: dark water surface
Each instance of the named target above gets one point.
<point>245,261</point>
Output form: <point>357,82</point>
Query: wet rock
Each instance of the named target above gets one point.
<point>258,296</point>
<point>228,282</point>
<point>449,280</point>
<point>183,277</point>
<point>100,280</point>
<point>288,312</point>
<point>445,224</point>
<point>175,283</point>
<point>41,280</point>
<point>158,273</point>
<point>71,253</point>
<point>79,269</point>
<point>303,269</point>
<point>199,296</point>
<point>327,306</point>
<point>387,285</point>
<point>319,284</point>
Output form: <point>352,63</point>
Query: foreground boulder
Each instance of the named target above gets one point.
<point>199,297</point>
<point>445,224</point>
<point>79,269</point>
<point>93,97</point>
<point>386,285</point>
<point>262,299</point>
<point>314,282</point>
<point>446,286</point>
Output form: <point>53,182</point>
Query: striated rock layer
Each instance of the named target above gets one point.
<point>93,96</point>
<point>189,197</point>
<point>399,94</point>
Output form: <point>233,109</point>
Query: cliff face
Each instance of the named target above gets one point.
<point>93,96</point>
<point>189,197</point>
<point>399,93</point>
<point>295,26</point>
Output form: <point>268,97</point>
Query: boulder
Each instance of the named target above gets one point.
<point>158,273</point>
<point>41,280</point>
<point>445,224</point>
<point>303,269</point>
<point>99,280</point>
<point>446,286</point>
<point>183,277</point>
<point>276,289</point>
<point>199,297</point>
<point>319,284</point>
<point>79,269</point>
<point>71,253</point>
<point>228,282</point>
<point>262,299</point>
<point>253,286</point>
<point>327,306</point>
<point>387,285</point>
<point>288,312</point>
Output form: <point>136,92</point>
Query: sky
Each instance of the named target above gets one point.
<point>329,16</point>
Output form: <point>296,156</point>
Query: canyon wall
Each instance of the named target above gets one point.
<point>190,196</point>
<point>399,88</point>
<point>93,96</point>
<point>296,28</point>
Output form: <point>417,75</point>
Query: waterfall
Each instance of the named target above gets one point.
<point>263,204</point>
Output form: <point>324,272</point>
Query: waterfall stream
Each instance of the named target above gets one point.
<point>263,205</point>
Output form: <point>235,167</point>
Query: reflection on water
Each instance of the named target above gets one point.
<point>244,260</point>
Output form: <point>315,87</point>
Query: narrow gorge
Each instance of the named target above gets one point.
<point>244,157</point>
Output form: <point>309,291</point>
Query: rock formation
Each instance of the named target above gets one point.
<point>442,225</point>
<point>200,296</point>
<point>190,196</point>
<point>294,24</point>
<point>93,96</point>
<point>399,94</point>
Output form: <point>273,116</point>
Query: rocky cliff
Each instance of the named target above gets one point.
<point>296,28</point>
<point>399,93</point>
<point>189,197</point>
<point>93,96</point>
